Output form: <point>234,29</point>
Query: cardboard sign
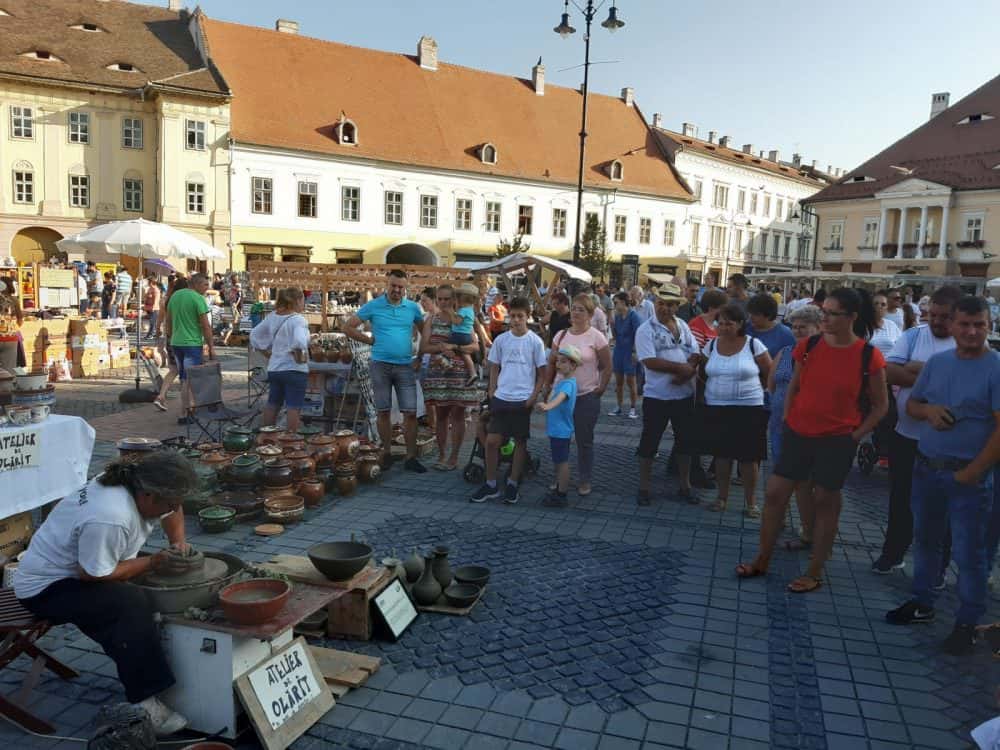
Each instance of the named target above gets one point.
<point>284,695</point>
<point>395,608</point>
<point>20,449</point>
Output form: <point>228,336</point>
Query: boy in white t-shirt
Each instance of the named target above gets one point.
<point>517,372</point>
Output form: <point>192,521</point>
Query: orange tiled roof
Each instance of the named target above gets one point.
<point>289,92</point>
<point>964,157</point>
<point>674,142</point>
<point>154,40</point>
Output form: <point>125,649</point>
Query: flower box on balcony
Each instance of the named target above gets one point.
<point>889,250</point>
<point>970,244</point>
<point>931,250</point>
<point>909,249</point>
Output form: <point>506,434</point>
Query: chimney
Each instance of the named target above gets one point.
<point>748,148</point>
<point>724,141</point>
<point>657,120</point>
<point>282,24</point>
<point>760,154</point>
<point>628,96</point>
<point>174,5</point>
<point>814,164</point>
<point>538,78</point>
<point>773,155</point>
<point>796,160</point>
<point>939,103</point>
<point>829,169</point>
<point>427,53</point>
<point>689,130</point>
<point>712,135</point>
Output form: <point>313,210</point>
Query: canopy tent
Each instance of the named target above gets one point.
<point>814,279</point>
<point>144,240</point>
<point>529,261</point>
<point>660,278</point>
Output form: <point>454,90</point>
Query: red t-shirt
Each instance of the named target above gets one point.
<point>829,387</point>
<point>702,331</point>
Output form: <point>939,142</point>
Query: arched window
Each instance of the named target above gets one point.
<point>488,153</point>
<point>616,171</point>
<point>347,132</point>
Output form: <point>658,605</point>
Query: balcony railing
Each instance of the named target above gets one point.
<point>833,249</point>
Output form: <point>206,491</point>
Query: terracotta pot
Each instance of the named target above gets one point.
<point>276,472</point>
<point>312,491</point>
<point>346,356</point>
<point>347,445</point>
<point>255,601</point>
<point>303,467</point>
<point>346,486</point>
<point>291,441</point>
<point>209,447</point>
<point>369,469</point>
<point>268,450</point>
<point>268,435</point>
<point>324,450</point>
<point>269,493</point>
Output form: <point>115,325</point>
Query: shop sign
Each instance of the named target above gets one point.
<point>284,684</point>
<point>630,271</point>
<point>395,608</point>
<point>20,450</point>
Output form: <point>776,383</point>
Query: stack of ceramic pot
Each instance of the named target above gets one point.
<point>324,452</point>
<point>237,440</point>
<point>276,477</point>
<point>345,470</point>
<point>303,466</point>
<point>267,435</point>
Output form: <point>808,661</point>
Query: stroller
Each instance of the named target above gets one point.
<point>875,447</point>
<point>475,470</point>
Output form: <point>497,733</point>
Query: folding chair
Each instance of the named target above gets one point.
<point>207,411</point>
<point>20,629</point>
<point>256,376</point>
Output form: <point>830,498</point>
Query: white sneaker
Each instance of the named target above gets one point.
<point>616,413</point>
<point>165,720</point>
<point>632,413</point>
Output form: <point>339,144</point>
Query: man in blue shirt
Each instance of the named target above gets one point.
<point>393,319</point>
<point>956,400</point>
<point>764,325</point>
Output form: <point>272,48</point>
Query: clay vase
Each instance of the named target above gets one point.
<point>347,445</point>
<point>427,590</point>
<point>346,486</point>
<point>395,566</point>
<point>303,467</point>
<point>276,472</point>
<point>440,567</point>
<point>312,491</point>
<point>414,567</point>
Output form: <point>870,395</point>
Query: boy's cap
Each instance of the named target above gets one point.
<point>571,352</point>
<point>466,288</point>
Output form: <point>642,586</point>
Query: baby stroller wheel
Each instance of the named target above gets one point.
<point>474,474</point>
<point>867,457</point>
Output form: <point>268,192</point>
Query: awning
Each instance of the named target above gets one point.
<point>659,278</point>
<point>521,261</point>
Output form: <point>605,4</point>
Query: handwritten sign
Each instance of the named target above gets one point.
<point>284,684</point>
<point>20,450</point>
<point>396,608</point>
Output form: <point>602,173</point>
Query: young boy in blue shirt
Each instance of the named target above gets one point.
<point>559,422</point>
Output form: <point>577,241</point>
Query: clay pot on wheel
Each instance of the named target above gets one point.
<point>303,467</point>
<point>346,486</point>
<point>347,445</point>
<point>427,590</point>
<point>312,491</point>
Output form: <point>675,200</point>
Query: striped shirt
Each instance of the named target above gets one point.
<point>124,284</point>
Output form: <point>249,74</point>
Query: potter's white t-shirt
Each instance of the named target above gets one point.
<point>94,529</point>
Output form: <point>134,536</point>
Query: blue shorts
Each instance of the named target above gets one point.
<point>385,376</point>
<point>287,387</point>
<point>621,361</point>
<point>560,449</point>
<point>187,356</point>
<point>460,339</point>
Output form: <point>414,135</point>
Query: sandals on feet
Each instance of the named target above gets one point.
<point>798,545</point>
<point>752,512</point>
<point>719,506</point>
<point>749,570</point>
<point>804,584</point>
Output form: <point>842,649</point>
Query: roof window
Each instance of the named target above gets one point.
<point>488,153</point>
<point>3,12</point>
<point>862,178</point>
<point>41,54</point>
<point>616,171</point>
<point>978,117</point>
<point>87,26</point>
<point>346,131</point>
<point>124,67</point>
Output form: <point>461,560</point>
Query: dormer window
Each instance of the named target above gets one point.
<point>978,117</point>
<point>3,12</point>
<point>93,28</point>
<point>347,132</point>
<point>488,153</point>
<point>616,171</point>
<point>41,54</point>
<point>862,178</point>
<point>124,67</point>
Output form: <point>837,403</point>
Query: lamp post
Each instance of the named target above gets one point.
<point>564,29</point>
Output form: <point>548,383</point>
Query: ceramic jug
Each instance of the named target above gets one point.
<point>427,590</point>
<point>440,567</point>
<point>414,566</point>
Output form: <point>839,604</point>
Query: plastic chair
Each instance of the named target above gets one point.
<point>208,412</point>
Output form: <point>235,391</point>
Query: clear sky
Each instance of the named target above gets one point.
<point>836,81</point>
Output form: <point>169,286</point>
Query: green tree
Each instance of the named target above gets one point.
<point>517,245</point>
<point>594,249</point>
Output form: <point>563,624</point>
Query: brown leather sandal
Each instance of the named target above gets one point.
<point>804,584</point>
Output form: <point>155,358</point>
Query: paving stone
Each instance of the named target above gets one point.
<point>576,739</point>
<point>461,717</point>
<point>501,725</point>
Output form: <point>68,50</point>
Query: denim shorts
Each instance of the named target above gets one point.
<point>386,376</point>
<point>560,449</point>
<point>287,387</point>
<point>187,356</point>
<point>460,339</point>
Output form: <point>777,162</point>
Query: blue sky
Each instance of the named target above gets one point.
<point>834,81</point>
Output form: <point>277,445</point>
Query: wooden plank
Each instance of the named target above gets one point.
<point>334,663</point>
<point>299,568</point>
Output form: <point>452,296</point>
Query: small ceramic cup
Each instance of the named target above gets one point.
<point>39,413</point>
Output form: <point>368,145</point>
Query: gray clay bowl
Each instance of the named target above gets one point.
<point>476,574</point>
<point>461,594</point>
<point>338,561</point>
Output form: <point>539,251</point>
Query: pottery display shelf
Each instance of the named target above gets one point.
<point>348,615</point>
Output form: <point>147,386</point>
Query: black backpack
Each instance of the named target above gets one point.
<point>864,398</point>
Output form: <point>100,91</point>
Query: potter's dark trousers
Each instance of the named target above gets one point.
<point>118,617</point>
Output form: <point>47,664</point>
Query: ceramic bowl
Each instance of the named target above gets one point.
<point>339,561</point>
<point>39,413</point>
<point>255,601</point>
<point>33,382</point>
<point>477,575</point>
<point>285,508</point>
<point>461,594</point>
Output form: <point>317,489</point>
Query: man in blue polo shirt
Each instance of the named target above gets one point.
<point>393,319</point>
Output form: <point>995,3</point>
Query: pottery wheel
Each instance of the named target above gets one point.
<point>211,570</point>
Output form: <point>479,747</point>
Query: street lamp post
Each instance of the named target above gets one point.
<point>564,29</point>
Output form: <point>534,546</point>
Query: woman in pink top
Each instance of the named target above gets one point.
<point>592,377</point>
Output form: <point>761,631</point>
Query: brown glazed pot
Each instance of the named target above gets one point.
<point>347,445</point>
<point>276,472</point>
<point>268,450</point>
<point>303,467</point>
<point>324,450</point>
<point>346,486</point>
<point>269,493</point>
<point>369,469</point>
<point>291,441</point>
<point>312,491</point>
<point>346,469</point>
<point>268,435</point>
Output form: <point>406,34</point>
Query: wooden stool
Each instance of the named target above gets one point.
<point>20,629</point>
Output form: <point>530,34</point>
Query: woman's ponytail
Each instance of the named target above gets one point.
<point>859,302</point>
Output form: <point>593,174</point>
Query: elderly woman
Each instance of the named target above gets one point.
<point>447,391</point>
<point>592,377</point>
<point>804,322</point>
<point>77,564</point>
<point>735,368</point>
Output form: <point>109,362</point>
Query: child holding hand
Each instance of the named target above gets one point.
<point>559,422</point>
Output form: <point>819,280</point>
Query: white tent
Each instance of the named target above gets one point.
<point>529,261</point>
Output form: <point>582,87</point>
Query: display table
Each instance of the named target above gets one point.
<point>43,462</point>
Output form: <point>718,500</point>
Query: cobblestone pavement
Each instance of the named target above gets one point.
<point>609,626</point>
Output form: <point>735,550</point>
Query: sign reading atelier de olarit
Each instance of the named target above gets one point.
<point>285,695</point>
<point>20,450</point>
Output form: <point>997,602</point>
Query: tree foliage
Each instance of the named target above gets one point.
<point>509,247</point>
<point>594,249</point>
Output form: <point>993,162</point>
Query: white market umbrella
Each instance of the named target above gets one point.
<point>140,239</point>
<point>528,261</point>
